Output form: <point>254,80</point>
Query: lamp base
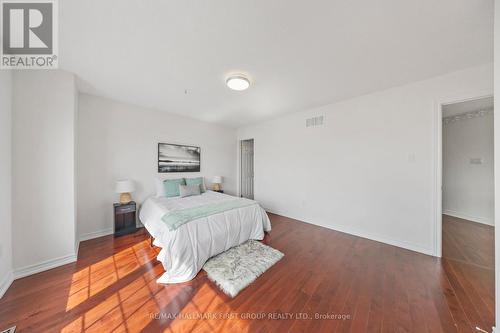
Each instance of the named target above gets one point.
<point>125,198</point>
<point>216,187</point>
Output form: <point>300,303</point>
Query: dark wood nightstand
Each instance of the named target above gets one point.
<point>125,216</point>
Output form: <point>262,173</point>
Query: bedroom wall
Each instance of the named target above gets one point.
<point>5,181</point>
<point>43,177</point>
<point>370,169</point>
<point>119,141</point>
<point>468,189</point>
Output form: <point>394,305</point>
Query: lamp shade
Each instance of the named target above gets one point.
<point>217,180</point>
<point>124,186</point>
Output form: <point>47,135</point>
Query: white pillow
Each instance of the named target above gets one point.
<point>189,190</point>
<point>160,188</point>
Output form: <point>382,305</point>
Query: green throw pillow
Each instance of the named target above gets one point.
<point>197,181</point>
<point>172,187</point>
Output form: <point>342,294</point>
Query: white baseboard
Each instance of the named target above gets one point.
<point>96,234</point>
<point>6,282</point>
<point>377,238</point>
<point>49,264</point>
<point>43,266</point>
<point>482,220</point>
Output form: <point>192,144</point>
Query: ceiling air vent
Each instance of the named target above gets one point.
<point>315,121</point>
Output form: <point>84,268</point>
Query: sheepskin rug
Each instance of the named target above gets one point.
<point>239,266</point>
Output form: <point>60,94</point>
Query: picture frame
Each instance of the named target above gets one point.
<point>178,158</point>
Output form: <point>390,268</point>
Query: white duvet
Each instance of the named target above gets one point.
<point>186,249</point>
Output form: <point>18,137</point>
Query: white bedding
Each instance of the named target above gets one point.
<point>186,249</point>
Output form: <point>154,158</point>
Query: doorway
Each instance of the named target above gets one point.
<point>247,169</point>
<point>467,200</point>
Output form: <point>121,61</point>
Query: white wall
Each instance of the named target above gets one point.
<point>370,170</point>
<point>43,156</point>
<point>5,181</point>
<point>468,189</point>
<point>119,141</point>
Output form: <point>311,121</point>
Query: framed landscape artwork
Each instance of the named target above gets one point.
<point>178,158</point>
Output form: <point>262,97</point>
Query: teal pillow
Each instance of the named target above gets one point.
<point>197,181</point>
<point>172,187</point>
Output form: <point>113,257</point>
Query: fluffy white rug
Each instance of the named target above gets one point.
<point>239,266</point>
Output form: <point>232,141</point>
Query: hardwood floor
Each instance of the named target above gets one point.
<point>469,242</point>
<point>369,286</point>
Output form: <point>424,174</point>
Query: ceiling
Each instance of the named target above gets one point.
<point>174,56</point>
<point>468,106</point>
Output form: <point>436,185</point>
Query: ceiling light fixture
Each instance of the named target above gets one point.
<point>238,82</point>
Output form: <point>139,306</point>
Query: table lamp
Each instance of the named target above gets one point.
<point>124,187</point>
<point>217,180</point>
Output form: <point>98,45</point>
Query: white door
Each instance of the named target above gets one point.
<point>246,182</point>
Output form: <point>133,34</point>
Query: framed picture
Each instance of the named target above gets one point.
<point>178,158</point>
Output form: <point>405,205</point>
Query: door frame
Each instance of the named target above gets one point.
<point>239,173</point>
<point>437,197</point>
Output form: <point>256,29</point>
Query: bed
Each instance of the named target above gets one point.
<point>185,249</point>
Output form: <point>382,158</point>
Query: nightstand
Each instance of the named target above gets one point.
<point>125,218</point>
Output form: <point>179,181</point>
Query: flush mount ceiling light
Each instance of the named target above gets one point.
<point>238,82</point>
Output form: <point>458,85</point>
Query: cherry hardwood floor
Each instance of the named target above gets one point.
<point>351,284</point>
<point>469,242</point>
